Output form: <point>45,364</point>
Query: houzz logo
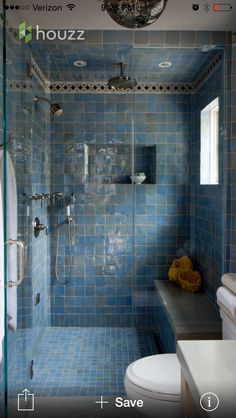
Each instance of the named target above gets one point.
<point>25,32</point>
<point>50,35</point>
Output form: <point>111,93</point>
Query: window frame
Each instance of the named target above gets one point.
<point>209,143</point>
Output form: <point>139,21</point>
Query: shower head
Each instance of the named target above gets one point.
<point>55,108</point>
<point>122,81</point>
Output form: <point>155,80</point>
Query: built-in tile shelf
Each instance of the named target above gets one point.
<point>112,163</point>
<point>191,315</point>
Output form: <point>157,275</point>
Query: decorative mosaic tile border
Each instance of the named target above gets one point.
<point>100,87</point>
<point>70,87</point>
<point>34,70</point>
<point>18,85</point>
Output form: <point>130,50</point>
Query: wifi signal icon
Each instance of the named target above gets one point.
<point>70,6</point>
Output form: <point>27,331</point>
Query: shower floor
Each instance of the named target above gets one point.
<point>87,361</point>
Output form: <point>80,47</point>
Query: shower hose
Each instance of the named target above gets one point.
<point>65,280</point>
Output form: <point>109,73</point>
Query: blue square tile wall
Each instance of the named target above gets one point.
<point>109,284</point>
<point>230,227</point>
<point>206,202</point>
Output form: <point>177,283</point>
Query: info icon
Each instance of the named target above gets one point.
<point>209,401</point>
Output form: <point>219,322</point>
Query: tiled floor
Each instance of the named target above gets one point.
<point>87,361</point>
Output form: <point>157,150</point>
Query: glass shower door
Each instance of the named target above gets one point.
<point>18,182</point>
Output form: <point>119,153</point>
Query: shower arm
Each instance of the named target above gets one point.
<point>41,99</point>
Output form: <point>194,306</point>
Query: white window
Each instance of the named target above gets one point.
<point>209,157</point>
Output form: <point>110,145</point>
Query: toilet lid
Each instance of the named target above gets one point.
<point>160,373</point>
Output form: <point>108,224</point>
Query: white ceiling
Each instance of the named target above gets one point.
<point>87,14</point>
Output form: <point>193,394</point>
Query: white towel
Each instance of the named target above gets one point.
<point>11,234</point>
<point>2,304</point>
<point>226,312</point>
<point>228,299</point>
<point>229,281</point>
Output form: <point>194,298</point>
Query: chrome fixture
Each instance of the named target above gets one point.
<point>38,196</point>
<point>58,197</point>
<point>122,81</point>
<point>135,14</point>
<point>45,196</point>
<point>69,220</point>
<point>38,227</point>
<point>55,108</point>
<point>21,247</point>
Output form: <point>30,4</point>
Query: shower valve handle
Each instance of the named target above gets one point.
<point>38,227</point>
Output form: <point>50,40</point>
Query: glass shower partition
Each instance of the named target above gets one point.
<point>95,153</point>
<point>18,153</point>
<point>27,157</point>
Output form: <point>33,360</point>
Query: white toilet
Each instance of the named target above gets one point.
<point>156,380</point>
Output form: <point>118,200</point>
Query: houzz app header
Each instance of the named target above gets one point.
<point>27,34</point>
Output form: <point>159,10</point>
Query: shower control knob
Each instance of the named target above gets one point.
<point>48,198</point>
<point>38,227</point>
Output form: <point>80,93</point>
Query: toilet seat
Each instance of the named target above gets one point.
<point>157,377</point>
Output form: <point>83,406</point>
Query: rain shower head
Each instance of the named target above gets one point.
<point>55,108</point>
<point>122,81</point>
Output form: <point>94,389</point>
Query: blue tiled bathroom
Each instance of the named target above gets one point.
<point>107,186</point>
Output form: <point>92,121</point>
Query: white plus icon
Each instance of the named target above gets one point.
<point>102,402</point>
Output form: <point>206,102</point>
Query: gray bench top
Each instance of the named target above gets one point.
<point>192,316</point>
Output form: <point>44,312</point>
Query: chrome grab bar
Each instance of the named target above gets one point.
<point>21,246</point>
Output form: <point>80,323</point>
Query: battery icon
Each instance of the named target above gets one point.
<point>222,7</point>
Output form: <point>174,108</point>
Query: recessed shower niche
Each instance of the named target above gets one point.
<point>112,164</point>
